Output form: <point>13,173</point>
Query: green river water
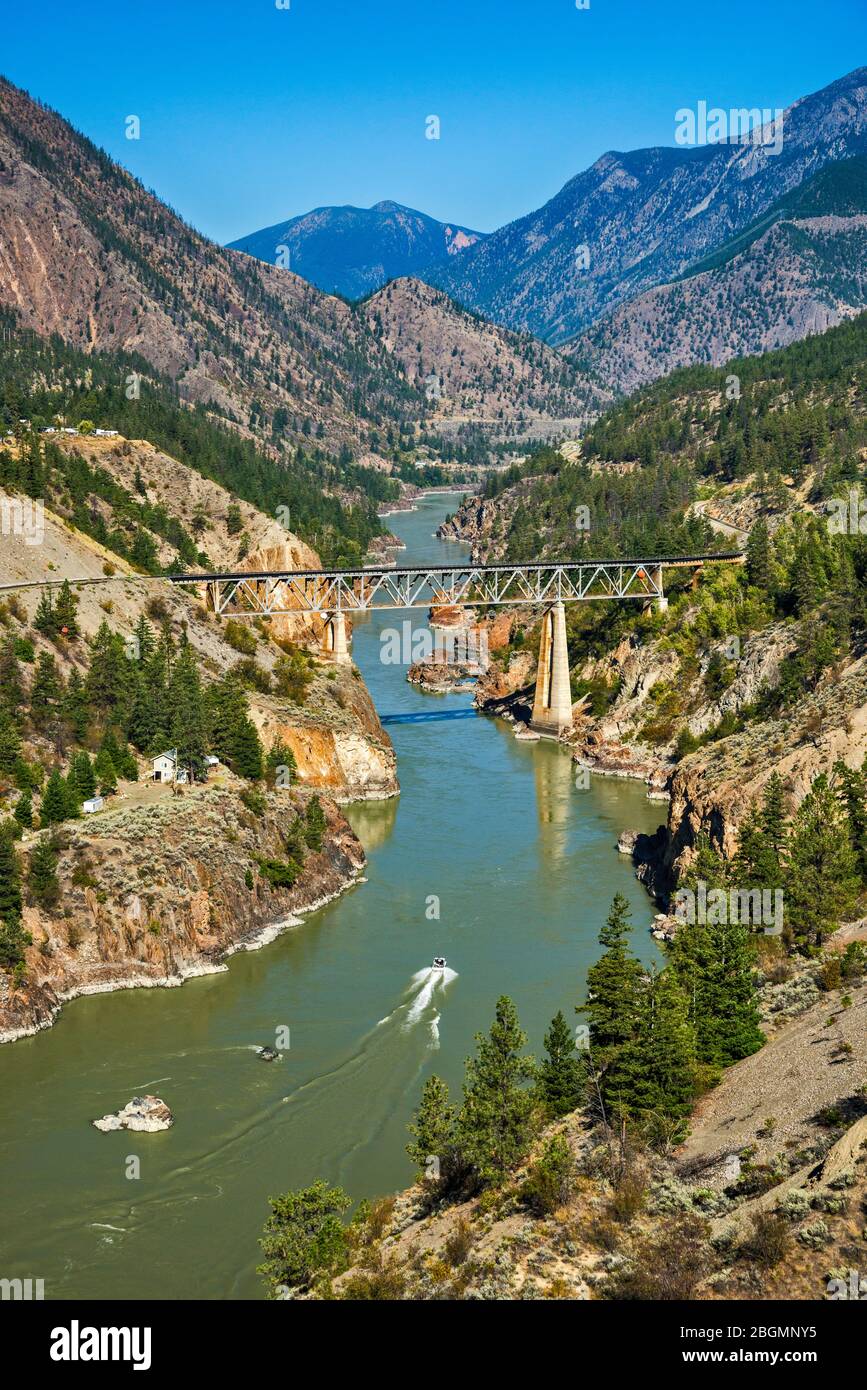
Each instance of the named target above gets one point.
<point>524,866</point>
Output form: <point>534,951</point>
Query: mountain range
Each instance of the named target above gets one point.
<point>662,256</point>
<point>351,251</point>
<point>797,270</point>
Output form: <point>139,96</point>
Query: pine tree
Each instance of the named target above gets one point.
<point>44,619</point>
<point>11,685</point>
<point>188,731</point>
<point>65,611</point>
<point>561,1075</point>
<point>433,1129</point>
<point>74,706</point>
<point>758,561</point>
<point>280,764</point>
<point>10,742</point>
<point>42,874</point>
<point>149,721</point>
<point>145,639</point>
<point>760,860</point>
<point>707,866</point>
<point>45,693</point>
<point>495,1126</point>
<point>655,1072</point>
<point>73,796</point>
<point>246,754</point>
<point>10,881</point>
<point>55,801</point>
<point>851,786</point>
<point>822,877</point>
<point>103,771</point>
<point>612,985</point>
<point>714,966</point>
<point>23,812</point>
<point>226,710</point>
<point>315,825</point>
<point>82,776</point>
<point>110,682</point>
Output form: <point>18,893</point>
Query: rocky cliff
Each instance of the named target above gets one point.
<point>161,889</point>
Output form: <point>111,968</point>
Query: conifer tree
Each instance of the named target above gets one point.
<point>44,619</point>
<point>11,685</point>
<point>246,754</point>
<point>110,681</point>
<point>45,693</point>
<point>66,611</point>
<point>23,812</point>
<point>433,1130</point>
<point>760,860</point>
<point>495,1126</point>
<point>74,706</point>
<point>612,985</point>
<point>10,742</point>
<point>822,877</point>
<point>315,824</point>
<point>188,729</point>
<point>707,866</point>
<point>715,968</point>
<point>82,776</point>
<point>655,1072</point>
<point>758,562</point>
<point>42,874</point>
<point>55,801</point>
<point>104,772</point>
<point>851,786</point>
<point>10,881</point>
<point>561,1075</point>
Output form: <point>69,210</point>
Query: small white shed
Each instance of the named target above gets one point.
<point>94,803</point>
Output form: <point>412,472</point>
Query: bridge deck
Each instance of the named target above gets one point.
<point>418,586</point>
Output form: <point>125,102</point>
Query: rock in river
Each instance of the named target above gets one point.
<point>145,1113</point>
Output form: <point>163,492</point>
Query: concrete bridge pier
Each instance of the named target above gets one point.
<point>552,705</point>
<point>660,603</point>
<point>336,644</point>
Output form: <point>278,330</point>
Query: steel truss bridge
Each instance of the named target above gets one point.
<point>419,586</point>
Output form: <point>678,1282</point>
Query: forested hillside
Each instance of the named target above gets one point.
<point>332,503</point>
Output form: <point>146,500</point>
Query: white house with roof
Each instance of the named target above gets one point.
<point>165,768</point>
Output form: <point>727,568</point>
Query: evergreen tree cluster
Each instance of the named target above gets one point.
<point>144,695</point>
<point>658,1037</point>
<point>817,858</point>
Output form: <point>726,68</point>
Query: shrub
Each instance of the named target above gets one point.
<point>459,1244</point>
<point>668,1265</point>
<point>551,1178</point>
<point>240,637</point>
<point>769,1240</point>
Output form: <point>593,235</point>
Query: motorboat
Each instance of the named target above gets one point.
<point>439,963</point>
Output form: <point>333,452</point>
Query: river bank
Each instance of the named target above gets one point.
<point>491,856</point>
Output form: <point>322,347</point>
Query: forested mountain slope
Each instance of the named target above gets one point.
<point>88,253</point>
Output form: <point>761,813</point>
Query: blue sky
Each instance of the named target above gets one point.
<point>251,113</point>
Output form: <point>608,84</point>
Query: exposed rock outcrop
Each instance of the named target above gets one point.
<point>157,893</point>
<point>144,1114</point>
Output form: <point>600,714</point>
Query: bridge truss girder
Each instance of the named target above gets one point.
<point>358,591</point>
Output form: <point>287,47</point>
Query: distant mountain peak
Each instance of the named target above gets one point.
<point>353,251</point>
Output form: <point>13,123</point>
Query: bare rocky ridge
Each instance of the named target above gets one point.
<point>799,278</point>
<point>478,371</point>
<point>644,217</point>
